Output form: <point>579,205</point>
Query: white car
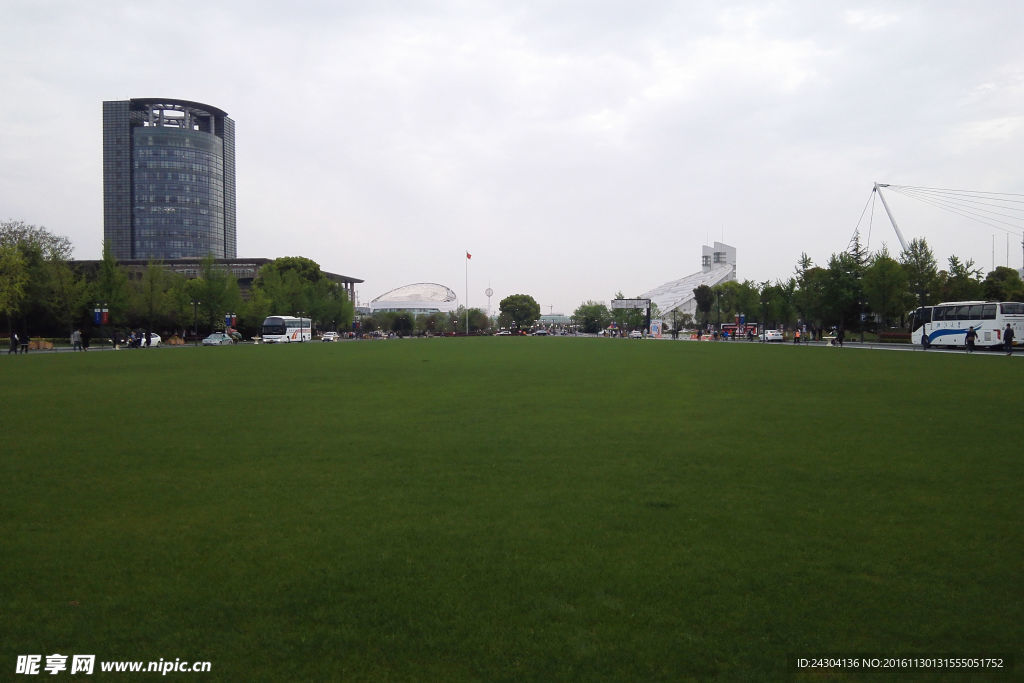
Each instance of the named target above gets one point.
<point>329,337</point>
<point>636,334</point>
<point>218,339</point>
<point>771,335</point>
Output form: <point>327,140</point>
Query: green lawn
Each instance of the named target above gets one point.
<point>509,509</point>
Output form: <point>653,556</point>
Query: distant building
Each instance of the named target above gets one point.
<point>168,180</point>
<point>718,265</point>
<point>421,298</point>
<point>245,271</point>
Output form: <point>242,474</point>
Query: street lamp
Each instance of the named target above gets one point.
<point>299,314</point>
<point>195,321</point>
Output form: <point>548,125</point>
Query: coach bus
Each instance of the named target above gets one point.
<point>286,328</point>
<point>946,324</point>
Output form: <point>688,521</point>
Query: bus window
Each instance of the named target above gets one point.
<point>963,313</point>
<point>1012,308</point>
<point>939,313</point>
<point>976,311</point>
<point>988,312</point>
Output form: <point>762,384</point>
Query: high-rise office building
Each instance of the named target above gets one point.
<point>168,180</point>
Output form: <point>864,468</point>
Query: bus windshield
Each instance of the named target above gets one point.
<point>274,326</point>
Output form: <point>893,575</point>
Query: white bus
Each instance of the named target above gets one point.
<point>286,328</point>
<point>946,324</point>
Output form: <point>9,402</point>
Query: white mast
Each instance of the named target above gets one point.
<point>878,189</point>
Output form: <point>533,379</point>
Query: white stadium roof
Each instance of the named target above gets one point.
<point>420,297</point>
<point>718,266</point>
<point>679,293</point>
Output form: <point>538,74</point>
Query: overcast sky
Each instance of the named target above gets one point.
<point>575,148</point>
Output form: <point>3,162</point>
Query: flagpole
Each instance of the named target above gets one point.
<point>467,293</point>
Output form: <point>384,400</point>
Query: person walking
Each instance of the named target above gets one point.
<point>1008,339</point>
<point>972,335</point>
<point>14,343</point>
<point>76,340</point>
<point>23,341</point>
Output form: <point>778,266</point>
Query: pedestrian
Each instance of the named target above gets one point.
<point>1008,339</point>
<point>14,343</point>
<point>972,335</point>
<point>23,341</point>
<point>76,340</point>
<point>840,335</point>
<point>796,336</point>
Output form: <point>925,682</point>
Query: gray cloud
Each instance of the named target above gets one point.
<point>575,149</point>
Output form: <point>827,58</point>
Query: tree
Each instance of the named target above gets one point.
<point>704,298</point>
<point>68,294</point>
<point>28,278</point>
<point>961,282</point>
<point>402,323</point>
<point>922,271</point>
<point>774,306</point>
<point>519,310</point>
<point>111,288</point>
<point>1004,284</point>
<point>155,304</point>
<point>842,291</point>
<point>52,247</point>
<point>478,320</point>
<point>284,289</point>
<point>592,317</point>
<point>216,289</point>
<point>434,323</point>
<point>304,268</point>
<point>885,287</point>
<point>627,318</point>
<point>809,292</point>
<point>13,278</point>
<point>253,312</point>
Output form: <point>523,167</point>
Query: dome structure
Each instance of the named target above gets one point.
<point>419,298</point>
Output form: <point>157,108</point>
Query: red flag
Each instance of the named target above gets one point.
<point>468,256</point>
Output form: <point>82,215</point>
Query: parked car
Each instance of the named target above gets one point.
<point>636,334</point>
<point>329,336</point>
<point>771,335</point>
<point>540,333</point>
<point>218,339</point>
<point>503,333</point>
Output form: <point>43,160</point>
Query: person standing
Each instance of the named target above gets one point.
<point>14,343</point>
<point>972,335</point>
<point>23,341</point>
<point>1008,339</point>
<point>76,340</point>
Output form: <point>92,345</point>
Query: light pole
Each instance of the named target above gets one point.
<point>195,322</point>
<point>299,315</point>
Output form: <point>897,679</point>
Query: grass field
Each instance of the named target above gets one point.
<point>509,509</point>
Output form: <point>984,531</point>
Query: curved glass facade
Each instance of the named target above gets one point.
<point>178,185</point>
<point>168,180</point>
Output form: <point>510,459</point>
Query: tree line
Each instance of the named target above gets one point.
<point>43,293</point>
<point>855,290</point>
